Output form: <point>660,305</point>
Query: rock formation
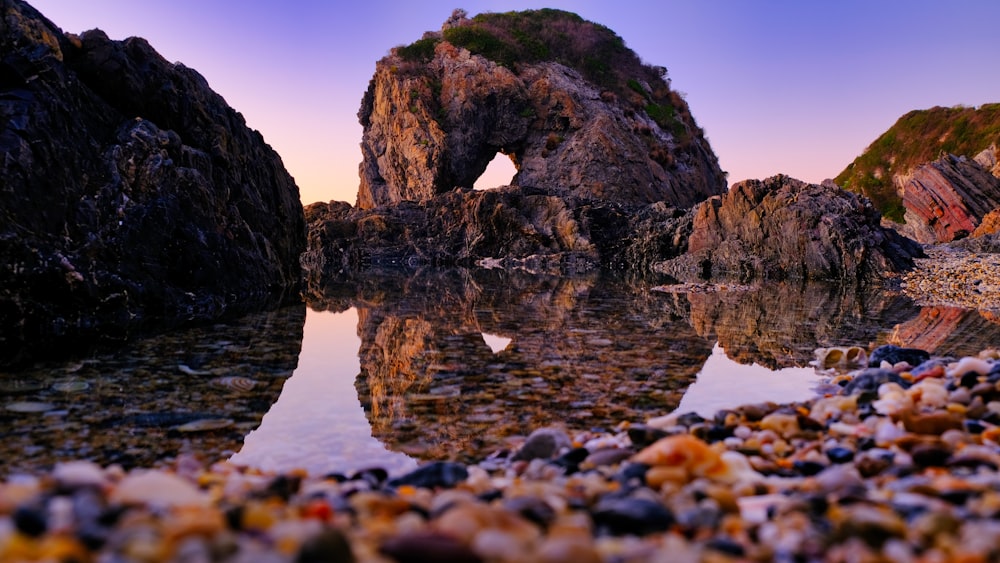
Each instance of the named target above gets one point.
<point>438,111</point>
<point>782,228</point>
<point>132,193</point>
<point>947,199</point>
<point>609,164</point>
<point>917,138</point>
<point>504,227</point>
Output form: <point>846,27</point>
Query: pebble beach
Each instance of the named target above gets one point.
<point>895,458</point>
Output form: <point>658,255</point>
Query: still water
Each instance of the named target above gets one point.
<point>392,370</point>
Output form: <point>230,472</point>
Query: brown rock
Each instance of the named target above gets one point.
<point>432,123</point>
<point>989,225</point>
<point>782,228</point>
<point>947,199</point>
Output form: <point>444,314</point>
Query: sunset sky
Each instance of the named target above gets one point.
<point>794,87</point>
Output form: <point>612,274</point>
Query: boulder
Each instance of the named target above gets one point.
<point>946,199</point>
<point>782,228</point>
<point>133,196</point>
<point>436,113</point>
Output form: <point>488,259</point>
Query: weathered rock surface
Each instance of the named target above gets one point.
<point>433,123</point>
<point>132,193</point>
<point>990,160</point>
<point>947,199</point>
<point>505,227</point>
<point>782,228</point>
<point>607,175</point>
<point>990,224</point>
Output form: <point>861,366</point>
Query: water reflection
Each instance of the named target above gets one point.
<point>725,384</point>
<point>198,390</point>
<point>446,365</point>
<point>593,351</point>
<point>317,423</point>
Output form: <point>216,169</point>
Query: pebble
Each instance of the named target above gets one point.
<point>891,467</point>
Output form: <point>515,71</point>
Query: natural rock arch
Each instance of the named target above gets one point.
<point>436,113</point>
<point>500,171</point>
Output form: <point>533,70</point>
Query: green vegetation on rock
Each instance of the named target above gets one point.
<point>596,52</point>
<point>919,137</point>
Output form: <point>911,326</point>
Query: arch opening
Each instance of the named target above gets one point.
<point>499,172</point>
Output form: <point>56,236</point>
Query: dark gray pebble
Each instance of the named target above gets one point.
<point>895,354</point>
<point>544,443</point>
<point>439,474</point>
<point>840,454</point>
<point>869,380</point>
<point>631,516</point>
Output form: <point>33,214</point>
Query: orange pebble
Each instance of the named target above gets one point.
<point>696,457</point>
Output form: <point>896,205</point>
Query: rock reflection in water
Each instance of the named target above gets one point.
<point>197,390</point>
<point>583,351</point>
<point>317,424</point>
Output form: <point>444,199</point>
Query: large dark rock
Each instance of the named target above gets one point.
<point>132,194</point>
<point>782,228</point>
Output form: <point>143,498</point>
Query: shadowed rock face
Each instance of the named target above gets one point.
<point>782,228</point>
<point>133,195</point>
<point>947,199</point>
<point>433,124</point>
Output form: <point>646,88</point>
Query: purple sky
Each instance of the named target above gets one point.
<point>794,87</point>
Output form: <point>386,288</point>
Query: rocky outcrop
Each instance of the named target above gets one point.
<point>132,193</point>
<point>947,199</point>
<point>782,228</point>
<point>609,162</point>
<point>509,227</point>
<point>437,112</point>
<point>917,138</point>
<point>779,228</point>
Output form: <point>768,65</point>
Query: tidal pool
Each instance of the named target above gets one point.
<point>392,370</point>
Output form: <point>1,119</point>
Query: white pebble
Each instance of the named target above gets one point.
<point>965,365</point>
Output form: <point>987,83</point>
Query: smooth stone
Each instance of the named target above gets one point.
<point>425,546</point>
<point>631,516</point>
<point>77,474</point>
<point>30,521</point>
<point>544,443</point>
<point>329,546</point>
<point>869,380</point>
<point>840,454</point>
<point>532,509</point>
<point>894,354</point>
<point>439,474</point>
<point>157,488</point>
<point>30,407</point>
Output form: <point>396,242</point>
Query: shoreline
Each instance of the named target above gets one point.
<point>892,463</point>
<point>954,277</point>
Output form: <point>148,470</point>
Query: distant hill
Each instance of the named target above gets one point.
<point>919,137</point>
